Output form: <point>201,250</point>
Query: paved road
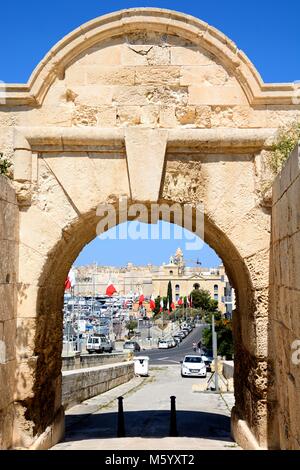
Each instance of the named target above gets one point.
<point>174,355</point>
<point>203,419</point>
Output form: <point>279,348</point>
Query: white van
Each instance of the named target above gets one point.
<point>99,344</point>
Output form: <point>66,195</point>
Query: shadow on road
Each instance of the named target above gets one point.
<point>150,423</point>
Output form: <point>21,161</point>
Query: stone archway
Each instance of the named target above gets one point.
<point>156,106</point>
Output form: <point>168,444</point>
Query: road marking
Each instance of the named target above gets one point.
<point>162,358</point>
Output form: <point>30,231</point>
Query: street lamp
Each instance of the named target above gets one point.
<point>215,353</point>
<point>149,326</point>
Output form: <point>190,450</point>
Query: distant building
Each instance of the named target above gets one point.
<point>133,280</point>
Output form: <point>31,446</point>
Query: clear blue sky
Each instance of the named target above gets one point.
<point>266,30</point>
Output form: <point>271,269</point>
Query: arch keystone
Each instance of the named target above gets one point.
<point>146,150</point>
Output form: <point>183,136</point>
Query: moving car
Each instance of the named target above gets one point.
<point>132,346</point>
<point>193,366</point>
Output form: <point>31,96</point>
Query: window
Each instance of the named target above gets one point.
<point>216,288</point>
<point>177,288</point>
<point>193,359</point>
<point>196,286</point>
<point>171,272</point>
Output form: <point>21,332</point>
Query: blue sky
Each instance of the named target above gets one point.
<point>266,30</point>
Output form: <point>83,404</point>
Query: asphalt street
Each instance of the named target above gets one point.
<point>174,355</point>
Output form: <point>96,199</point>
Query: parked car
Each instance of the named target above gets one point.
<point>172,343</point>
<point>132,346</point>
<point>182,333</point>
<point>99,344</point>
<point>178,338</point>
<point>186,330</point>
<point>163,344</point>
<point>193,366</point>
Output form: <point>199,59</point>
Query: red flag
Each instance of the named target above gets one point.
<point>180,301</point>
<point>68,284</point>
<point>172,306</point>
<point>70,281</point>
<point>141,299</point>
<point>152,303</point>
<point>110,290</point>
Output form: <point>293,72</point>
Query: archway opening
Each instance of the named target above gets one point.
<point>46,402</point>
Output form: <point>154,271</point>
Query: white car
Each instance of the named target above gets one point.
<point>172,342</point>
<point>163,345</point>
<point>193,366</point>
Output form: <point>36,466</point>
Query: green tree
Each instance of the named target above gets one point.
<point>157,306</point>
<point>224,338</point>
<point>5,165</point>
<point>170,295</point>
<point>131,326</point>
<point>202,300</point>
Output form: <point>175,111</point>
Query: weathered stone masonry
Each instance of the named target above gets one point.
<point>285,301</point>
<point>9,234</point>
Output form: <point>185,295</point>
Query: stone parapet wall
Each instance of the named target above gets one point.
<point>285,302</point>
<point>228,369</point>
<point>81,362</point>
<point>8,274</point>
<point>79,385</point>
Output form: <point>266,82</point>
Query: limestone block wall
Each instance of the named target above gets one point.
<point>8,272</point>
<point>79,385</point>
<point>83,361</point>
<point>285,302</point>
<point>228,369</point>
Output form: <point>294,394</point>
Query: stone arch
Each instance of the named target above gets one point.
<point>41,408</point>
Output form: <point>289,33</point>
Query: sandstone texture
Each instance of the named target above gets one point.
<point>9,218</point>
<point>82,384</point>
<point>284,305</point>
